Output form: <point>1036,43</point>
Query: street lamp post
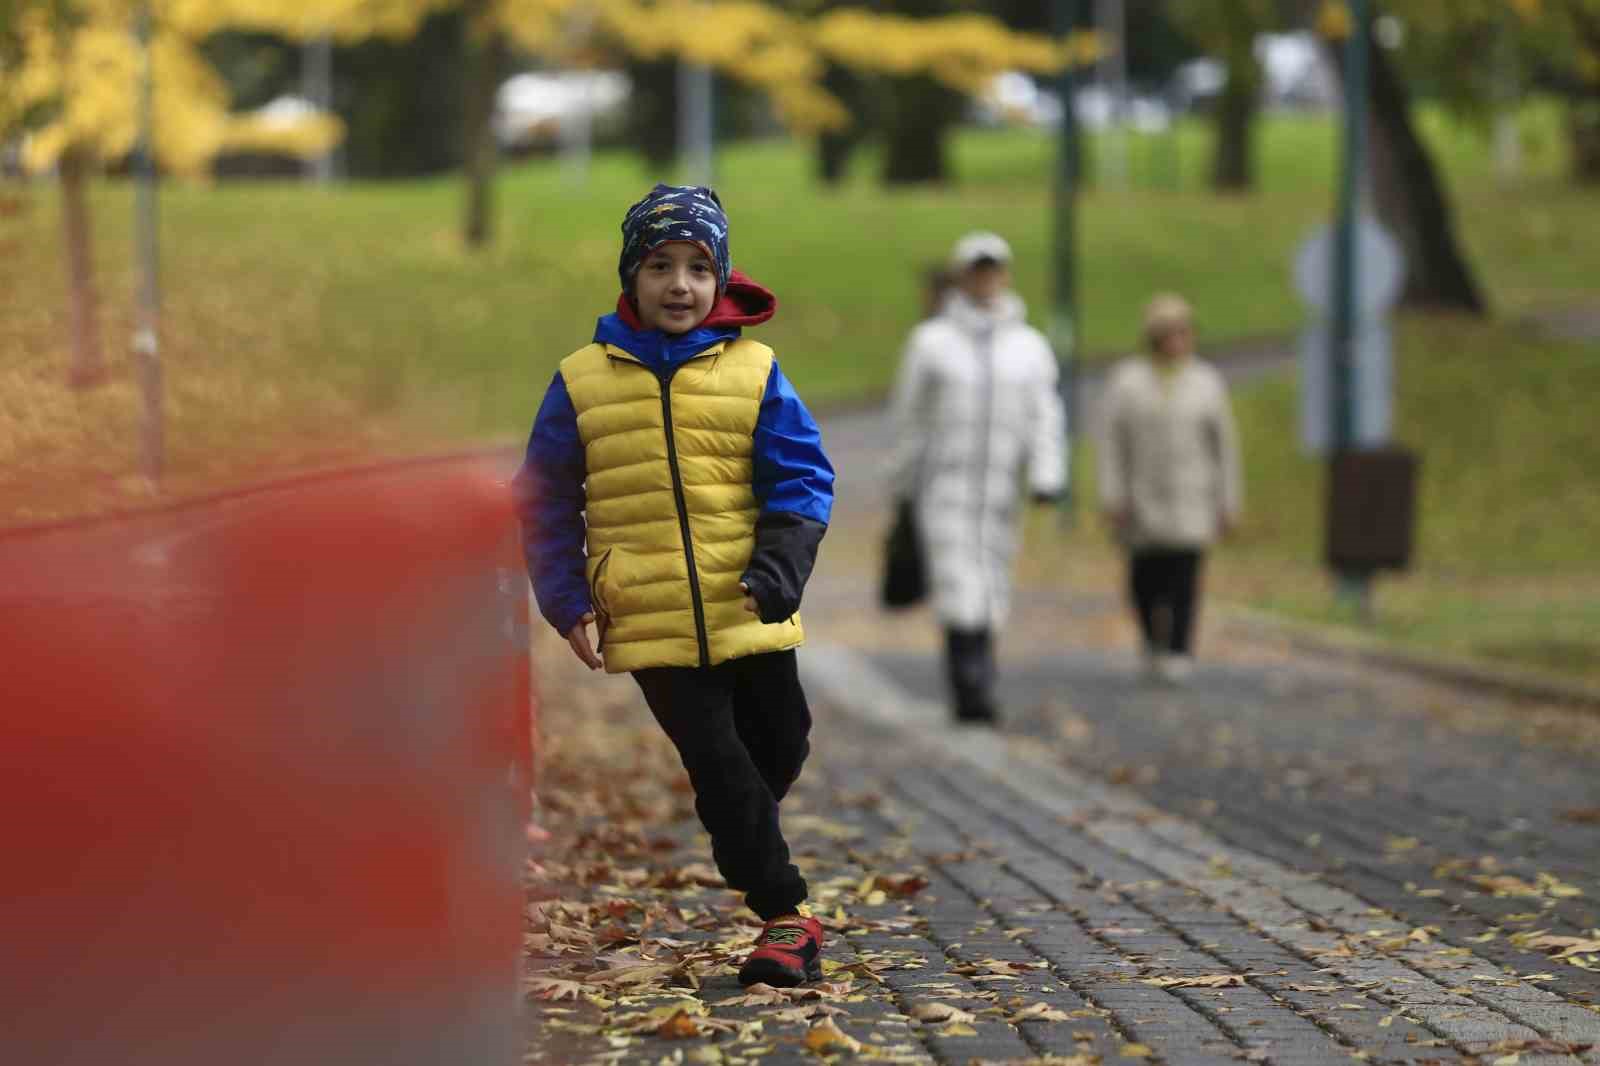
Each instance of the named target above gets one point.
<point>147,332</point>
<point>1111,22</point>
<point>1065,327</point>
<point>316,84</point>
<point>1354,587</point>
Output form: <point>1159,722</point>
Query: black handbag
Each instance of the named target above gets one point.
<point>905,569</point>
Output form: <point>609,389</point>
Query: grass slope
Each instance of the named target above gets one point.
<point>1509,502</point>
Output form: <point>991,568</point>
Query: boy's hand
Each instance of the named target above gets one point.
<point>749,600</point>
<point>579,639</point>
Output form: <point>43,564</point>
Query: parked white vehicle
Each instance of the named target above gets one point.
<point>531,109</point>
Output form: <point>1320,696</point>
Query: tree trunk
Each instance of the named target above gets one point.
<point>485,51</point>
<point>835,148</point>
<point>833,156</point>
<point>1233,165</point>
<point>1410,198</point>
<point>88,361</point>
<point>1583,139</point>
<point>653,113</point>
<point>1583,105</point>
<point>921,112</point>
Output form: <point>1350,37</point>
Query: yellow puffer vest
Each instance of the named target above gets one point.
<point>669,504</point>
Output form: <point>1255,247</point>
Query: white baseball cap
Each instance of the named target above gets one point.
<point>977,246</point>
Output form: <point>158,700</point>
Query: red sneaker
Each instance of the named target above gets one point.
<point>788,953</point>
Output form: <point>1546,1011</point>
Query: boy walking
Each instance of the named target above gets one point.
<point>673,495</point>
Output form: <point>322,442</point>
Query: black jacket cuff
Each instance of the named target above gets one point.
<point>781,563</point>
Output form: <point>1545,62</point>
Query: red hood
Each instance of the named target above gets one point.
<point>745,302</point>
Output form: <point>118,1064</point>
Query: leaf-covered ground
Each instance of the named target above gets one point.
<point>633,943</point>
<point>1007,900</point>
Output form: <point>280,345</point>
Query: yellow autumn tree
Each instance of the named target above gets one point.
<point>782,54</point>
<point>72,98</point>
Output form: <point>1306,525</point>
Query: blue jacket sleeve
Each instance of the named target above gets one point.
<point>548,490</point>
<point>791,471</point>
<point>793,482</point>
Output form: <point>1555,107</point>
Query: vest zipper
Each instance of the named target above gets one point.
<point>683,516</point>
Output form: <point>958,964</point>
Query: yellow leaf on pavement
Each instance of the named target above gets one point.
<point>1135,1051</point>
<point>680,1026</point>
<point>1039,1012</point>
<point>553,988</point>
<point>939,1012</point>
<point>825,1038</point>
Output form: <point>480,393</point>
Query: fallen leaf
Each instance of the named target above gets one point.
<point>901,886</point>
<point>1135,1051</point>
<point>1213,980</point>
<point>806,1012</point>
<point>1040,1012</point>
<point>825,1038</point>
<point>553,988</point>
<point>939,1012</point>
<point>1544,886</point>
<point>957,1029</point>
<point>801,824</point>
<point>1537,1047</point>
<point>1560,946</point>
<point>854,969</point>
<point>641,973</point>
<point>680,1026</point>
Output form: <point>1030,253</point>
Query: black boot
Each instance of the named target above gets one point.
<point>969,656</point>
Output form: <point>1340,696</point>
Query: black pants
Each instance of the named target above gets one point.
<point>969,661</point>
<point>741,729</point>
<point>1164,592</point>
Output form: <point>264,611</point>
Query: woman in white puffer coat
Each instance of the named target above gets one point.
<point>979,421</point>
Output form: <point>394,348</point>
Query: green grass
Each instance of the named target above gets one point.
<point>1509,500</point>
<point>367,282</point>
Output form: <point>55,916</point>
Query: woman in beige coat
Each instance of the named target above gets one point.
<point>1169,478</point>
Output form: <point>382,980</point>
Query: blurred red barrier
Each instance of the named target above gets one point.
<point>269,764</point>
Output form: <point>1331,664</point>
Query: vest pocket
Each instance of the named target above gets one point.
<point>602,605</point>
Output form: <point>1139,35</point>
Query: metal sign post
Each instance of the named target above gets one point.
<point>696,123</point>
<point>1376,290</point>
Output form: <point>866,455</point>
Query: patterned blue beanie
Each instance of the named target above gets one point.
<point>674,213</point>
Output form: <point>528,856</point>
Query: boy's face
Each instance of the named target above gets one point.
<point>675,287</point>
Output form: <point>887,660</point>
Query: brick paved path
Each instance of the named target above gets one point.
<point>1148,887</point>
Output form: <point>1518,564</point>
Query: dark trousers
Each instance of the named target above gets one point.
<point>1164,592</point>
<point>969,661</point>
<point>741,729</point>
